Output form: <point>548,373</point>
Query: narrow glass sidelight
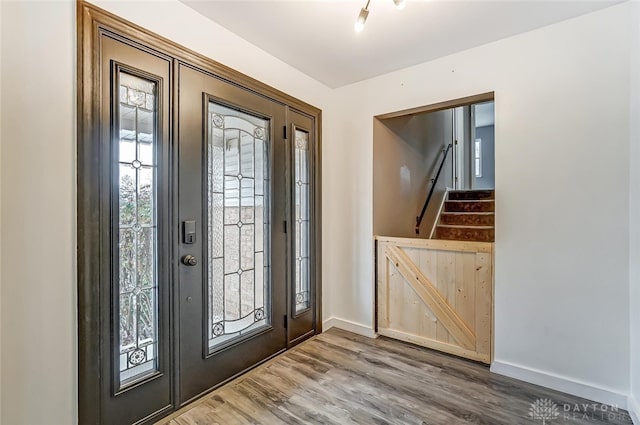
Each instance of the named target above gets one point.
<point>137,281</point>
<point>238,225</point>
<point>302,208</point>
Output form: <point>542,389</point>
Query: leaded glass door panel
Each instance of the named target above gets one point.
<point>302,196</point>
<point>132,161</point>
<point>232,189</point>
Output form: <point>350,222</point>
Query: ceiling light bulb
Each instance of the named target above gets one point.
<point>400,4</point>
<point>362,18</point>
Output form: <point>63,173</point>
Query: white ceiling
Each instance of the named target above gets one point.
<point>317,36</point>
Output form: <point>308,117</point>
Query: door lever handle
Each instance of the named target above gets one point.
<point>189,260</point>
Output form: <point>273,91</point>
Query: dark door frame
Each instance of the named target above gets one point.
<point>92,23</point>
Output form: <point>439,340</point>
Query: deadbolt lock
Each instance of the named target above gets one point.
<point>189,260</point>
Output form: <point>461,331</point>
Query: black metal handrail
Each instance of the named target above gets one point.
<point>433,186</point>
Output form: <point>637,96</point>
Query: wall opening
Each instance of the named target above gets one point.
<point>453,141</point>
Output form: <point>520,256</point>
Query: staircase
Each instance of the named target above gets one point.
<point>468,215</point>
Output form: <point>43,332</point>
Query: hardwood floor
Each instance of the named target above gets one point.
<point>342,378</point>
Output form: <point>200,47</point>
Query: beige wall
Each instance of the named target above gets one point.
<point>406,154</point>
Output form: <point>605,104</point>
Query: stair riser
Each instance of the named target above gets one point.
<point>467,219</point>
<point>476,235</point>
<point>469,206</point>
<point>471,195</point>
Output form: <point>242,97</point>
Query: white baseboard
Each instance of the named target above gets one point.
<point>561,383</point>
<point>347,325</point>
<point>633,407</point>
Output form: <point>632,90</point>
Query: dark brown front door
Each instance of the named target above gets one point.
<point>197,203</point>
<point>232,203</point>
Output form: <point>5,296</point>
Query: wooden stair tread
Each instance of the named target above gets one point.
<point>468,212</point>
<point>459,226</point>
<point>470,201</point>
<point>472,191</point>
<point>471,195</point>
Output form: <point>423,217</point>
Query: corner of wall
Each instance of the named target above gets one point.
<point>348,325</point>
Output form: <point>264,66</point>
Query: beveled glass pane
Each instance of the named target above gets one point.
<point>216,237</point>
<point>217,289</point>
<point>216,159</point>
<point>246,154</point>
<point>127,260</point>
<point>259,166</point>
<point>127,195</point>
<point>145,253</point>
<point>231,200</point>
<point>246,193</point>
<point>248,293</point>
<point>304,239</point>
<point>145,125</point>
<point>145,153</point>
<point>231,249</point>
<point>145,201</point>
<point>137,230</point>
<point>259,218</point>
<point>303,206</point>
<point>301,216</point>
<point>237,193</point>
<point>231,152</point>
<point>247,250</point>
<point>232,296</point>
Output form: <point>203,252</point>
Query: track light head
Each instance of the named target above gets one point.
<point>362,18</point>
<point>400,4</point>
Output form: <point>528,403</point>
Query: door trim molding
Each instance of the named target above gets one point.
<point>91,22</point>
<point>448,104</point>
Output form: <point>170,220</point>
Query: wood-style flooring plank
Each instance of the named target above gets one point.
<point>346,379</point>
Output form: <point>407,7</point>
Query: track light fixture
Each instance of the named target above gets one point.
<point>362,17</point>
<point>364,13</point>
<point>400,4</point>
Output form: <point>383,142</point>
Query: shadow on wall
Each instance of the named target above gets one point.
<point>407,152</point>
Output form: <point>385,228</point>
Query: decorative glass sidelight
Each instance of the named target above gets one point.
<point>302,208</point>
<point>137,228</point>
<point>238,224</point>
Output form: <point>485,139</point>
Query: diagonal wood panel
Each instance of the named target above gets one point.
<point>429,294</point>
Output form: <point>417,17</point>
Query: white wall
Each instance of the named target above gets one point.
<point>562,259</point>
<point>562,185</point>
<point>0,214</point>
<point>634,215</point>
<point>38,196</point>
<point>38,213</point>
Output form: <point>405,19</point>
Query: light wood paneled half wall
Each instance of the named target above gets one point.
<point>437,294</point>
